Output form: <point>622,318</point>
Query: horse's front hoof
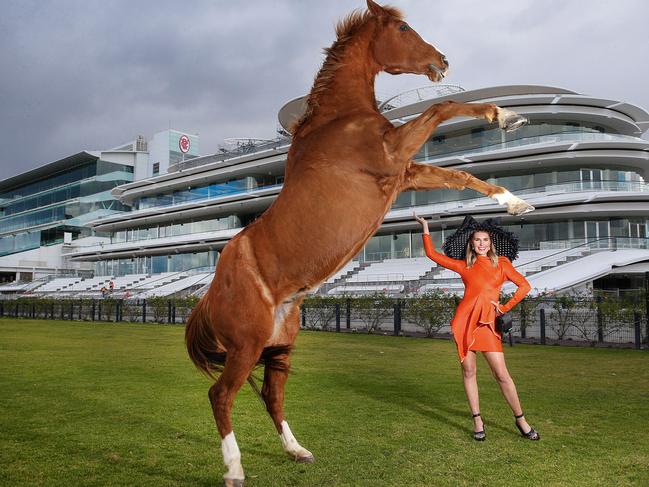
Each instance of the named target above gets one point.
<point>519,208</point>
<point>233,482</point>
<point>305,459</point>
<point>513,122</point>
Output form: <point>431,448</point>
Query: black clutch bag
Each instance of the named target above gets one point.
<point>503,323</point>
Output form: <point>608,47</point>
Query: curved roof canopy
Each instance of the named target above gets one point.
<point>510,95</point>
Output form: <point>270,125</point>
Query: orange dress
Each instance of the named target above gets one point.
<point>473,325</point>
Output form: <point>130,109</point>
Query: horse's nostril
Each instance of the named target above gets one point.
<point>444,60</point>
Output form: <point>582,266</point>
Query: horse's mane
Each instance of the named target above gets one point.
<point>346,29</point>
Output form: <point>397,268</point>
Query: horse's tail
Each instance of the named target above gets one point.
<point>209,356</point>
<point>202,346</point>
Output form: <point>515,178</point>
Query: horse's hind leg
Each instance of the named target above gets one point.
<point>423,176</point>
<point>238,365</point>
<point>275,376</point>
<point>277,362</point>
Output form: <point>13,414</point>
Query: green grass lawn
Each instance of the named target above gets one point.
<point>121,404</point>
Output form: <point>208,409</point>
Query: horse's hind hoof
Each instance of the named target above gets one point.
<point>513,122</point>
<point>233,482</point>
<point>305,459</point>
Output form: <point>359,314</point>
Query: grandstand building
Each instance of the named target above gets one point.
<point>45,211</point>
<point>580,161</point>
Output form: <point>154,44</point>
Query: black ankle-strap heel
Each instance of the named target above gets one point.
<point>479,435</point>
<point>532,434</point>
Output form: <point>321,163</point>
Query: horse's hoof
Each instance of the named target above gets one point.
<point>305,459</point>
<point>519,208</point>
<point>513,122</point>
<point>233,482</point>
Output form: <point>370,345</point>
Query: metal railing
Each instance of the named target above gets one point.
<point>547,321</point>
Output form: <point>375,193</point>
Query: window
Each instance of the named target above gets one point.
<point>156,168</point>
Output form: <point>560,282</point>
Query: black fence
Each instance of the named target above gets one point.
<point>561,320</point>
<point>546,321</point>
<point>152,310</point>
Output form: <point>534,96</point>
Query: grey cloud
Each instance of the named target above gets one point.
<point>90,74</point>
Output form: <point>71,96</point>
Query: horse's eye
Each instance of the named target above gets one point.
<point>403,27</point>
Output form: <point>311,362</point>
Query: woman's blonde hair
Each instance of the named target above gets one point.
<point>471,256</point>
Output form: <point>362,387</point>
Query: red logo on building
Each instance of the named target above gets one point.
<point>184,144</point>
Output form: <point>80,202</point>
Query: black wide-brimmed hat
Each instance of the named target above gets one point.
<point>506,243</point>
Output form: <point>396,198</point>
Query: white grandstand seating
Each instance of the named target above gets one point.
<point>528,261</point>
<point>157,280</point>
<point>583,270</point>
<point>128,281</point>
<point>367,289</point>
<point>91,287</point>
<point>58,284</point>
<point>14,286</point>
<point>394,270</point>
<point>349,266</point>
<point>451,287</point>
<point>91,284</point>
<point>176,286</point>
<point>535,260</point>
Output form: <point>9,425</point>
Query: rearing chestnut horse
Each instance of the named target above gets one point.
<point>346,165</point>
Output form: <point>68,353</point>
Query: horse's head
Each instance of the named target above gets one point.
<point>397,48</point>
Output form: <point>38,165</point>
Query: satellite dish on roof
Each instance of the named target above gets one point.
<point>242,145</point>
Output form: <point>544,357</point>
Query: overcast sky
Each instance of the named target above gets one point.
<point>92,74</point>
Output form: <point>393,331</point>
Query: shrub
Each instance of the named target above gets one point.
<point>430,311</point>
<point>372,310</point>
<point>320,311</point>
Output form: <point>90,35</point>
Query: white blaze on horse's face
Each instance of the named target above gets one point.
<point>398,49</point>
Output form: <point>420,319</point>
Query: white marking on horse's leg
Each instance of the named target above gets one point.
<point>515,205</point>
<point>232,458</point>
<point>292,447</point>
<point>281,311</point>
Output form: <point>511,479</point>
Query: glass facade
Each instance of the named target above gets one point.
<point>187,262</point>
<point>82,172</point>
<point>604,234</point>
<point>595,233</point>
<point>566,180</point>
<point>203,192</point>
<point>87,187</point>
<point>479,139</point>
<point>21,241</point>
<point>60,212</point>
<point>37,214</point>
<point>172,229</point>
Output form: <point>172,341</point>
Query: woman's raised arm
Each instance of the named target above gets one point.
<point>441,259</point>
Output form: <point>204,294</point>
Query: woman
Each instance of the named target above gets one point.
<point>472,252</point>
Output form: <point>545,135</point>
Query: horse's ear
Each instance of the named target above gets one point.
<point>375,8</point>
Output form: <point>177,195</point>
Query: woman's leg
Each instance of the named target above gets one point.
<point>496,361</point>
<point>471,388</point>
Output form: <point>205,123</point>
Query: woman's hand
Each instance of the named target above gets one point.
<point>498,310</point>
<point>422,222</point>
